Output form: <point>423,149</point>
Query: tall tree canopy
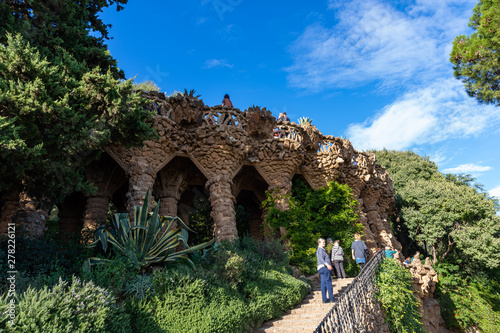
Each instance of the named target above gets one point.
<point>444,213</point>
<point>476,58</point>
<point>61,99</point>
<point>58,27</point>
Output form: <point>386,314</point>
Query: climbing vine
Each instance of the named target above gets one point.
<point>329,212</point>
<point>396,297</point>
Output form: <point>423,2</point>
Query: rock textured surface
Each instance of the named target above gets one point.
<point>230,157</point>
<point>424,283</point>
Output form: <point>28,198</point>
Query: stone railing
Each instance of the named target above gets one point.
<point>328,145</point>
<point>288,132</point>
<point>159,106</point>
<point>228,117</point>
<point>352,310</point>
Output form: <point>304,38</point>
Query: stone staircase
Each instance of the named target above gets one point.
<point>306,316</point>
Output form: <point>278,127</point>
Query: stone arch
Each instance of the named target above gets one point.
<point>305,179</point>
<point>71,212</point>
<point>110,179</point>
<point>249,189</point>
<point>253,207</point>
<point>180,175</point>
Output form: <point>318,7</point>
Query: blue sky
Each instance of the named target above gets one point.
<point>373,71</point>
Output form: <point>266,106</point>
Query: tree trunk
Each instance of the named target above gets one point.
<point>434,256</point>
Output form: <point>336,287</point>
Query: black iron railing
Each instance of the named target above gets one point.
<point>350,312</point>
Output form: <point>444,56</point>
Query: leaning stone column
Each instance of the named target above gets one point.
<point>280,191</point>
<point>9,209</point>
<point>96,211</point>
<point>223,212</point>
<point>168,204</point>
<point>30,219</point>
<point>141,178</point>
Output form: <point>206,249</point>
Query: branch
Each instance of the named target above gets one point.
<point>450,244</point>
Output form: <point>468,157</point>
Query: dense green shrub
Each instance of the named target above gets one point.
<point>67,307</point>
<point>41,262</point>
<point>234,287</point>
<point>395,293</point>
<point>113,275</point>
<point>467,301</point>
<point>140,286</point>
<point>327,212</point>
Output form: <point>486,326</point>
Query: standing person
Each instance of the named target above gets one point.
<point>329,245</point>
<point>324,268</point>
<point>358,248</point>
<point>338,259</point>
<point>285,117</point>
<point>226,101</point>
<point>389,253</point>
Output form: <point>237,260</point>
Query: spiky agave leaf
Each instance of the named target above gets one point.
<point>142,243</point>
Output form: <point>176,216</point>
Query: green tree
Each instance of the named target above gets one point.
<point>476,58</point>
<point>60,27</point>
<point>58,116</point>
<point>61,97</point>
<point>147,86</point>
<point>445,214</point>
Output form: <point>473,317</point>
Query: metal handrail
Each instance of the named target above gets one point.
<point>349,312</point>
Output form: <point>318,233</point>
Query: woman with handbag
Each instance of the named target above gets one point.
<point>338,259</point>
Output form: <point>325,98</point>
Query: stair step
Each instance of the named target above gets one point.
<point>288,329</point>
<point>306,316</point>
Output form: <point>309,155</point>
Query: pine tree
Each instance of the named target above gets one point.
<point>61,99</point>
<point>476,58</point>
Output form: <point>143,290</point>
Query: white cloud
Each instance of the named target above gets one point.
<point>435,113</point>
<point>374,41</point>
<point>495,192</point>
<point>467,168</point>
<point>211,63</point>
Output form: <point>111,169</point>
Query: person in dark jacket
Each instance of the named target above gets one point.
<point>337,254</point>
<point>358,248</point>
<point>324,268</point>
<point>226,101</point>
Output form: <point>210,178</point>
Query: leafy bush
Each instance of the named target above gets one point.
<point>466,301</point>
<point>328,212</point>
<point>199,300</point>
<point>67,307</point>
<point>396,297</point>
<point>113,275</point>
<point>140,286</point>
<point>40,262</point>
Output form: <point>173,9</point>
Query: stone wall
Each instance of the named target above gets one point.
<point>220,144</point>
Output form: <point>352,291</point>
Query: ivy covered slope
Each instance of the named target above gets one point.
<point>453,220</point>
<point>61,97</point>
<point>401,307</point>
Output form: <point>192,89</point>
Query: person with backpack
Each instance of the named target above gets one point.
<point>338,259</point>
<point>358,248</point>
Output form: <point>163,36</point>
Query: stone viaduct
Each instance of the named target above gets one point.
<point>230,157</point>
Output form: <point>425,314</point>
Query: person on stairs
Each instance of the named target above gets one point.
<point>324,268</point>
<point>358,248</point>
<point>338,259</point>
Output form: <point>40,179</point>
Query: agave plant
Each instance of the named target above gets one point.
<point>305,121</point>
<point>144,243</point>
